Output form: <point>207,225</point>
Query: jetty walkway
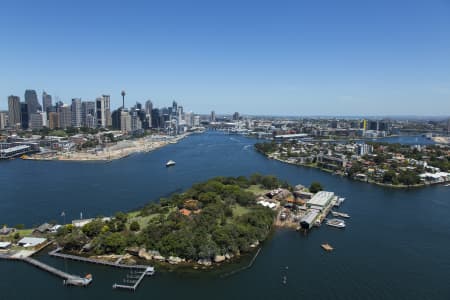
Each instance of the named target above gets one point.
<point>117,264</point>
<point>43,266</point>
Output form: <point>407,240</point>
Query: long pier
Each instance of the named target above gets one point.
<point>49,269</point>
<point>52,270</point>
<point>116,264</point>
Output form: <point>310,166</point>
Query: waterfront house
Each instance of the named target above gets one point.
<point>5,245</point>
<point>6,231</point>
<point>42,228</point>
<point>31,242</point>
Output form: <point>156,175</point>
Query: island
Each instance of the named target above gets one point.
<point>392,165</point>
<point>210,224</point>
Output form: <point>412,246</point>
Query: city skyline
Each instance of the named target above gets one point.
<point>306,58</point>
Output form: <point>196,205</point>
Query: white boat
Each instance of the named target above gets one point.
<point>170,163</point>
<point>338,223</point>
<point>77,281</point>
<point>340,214</point>
<point>339,201</point>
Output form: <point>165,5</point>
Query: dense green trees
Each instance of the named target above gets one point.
<point>315,187</point>
<point>266,148</point>
<point>210,229</point>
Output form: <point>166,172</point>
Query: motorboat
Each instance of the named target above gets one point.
<point>338,223</point>
<point>170,163</point>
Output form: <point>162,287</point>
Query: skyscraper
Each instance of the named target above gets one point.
<point>76,112</point>
<point>103,111</point>
<point>213,116</point>
<point>88,114</point>
<point>148,107</point>
<point>65,116</point>
<point>3,119</point>
<point>156,118</point>
<point>125,121</point>
<point>148,113</point>
<point>53,120</point>
<point>46,102</point>
<point>14,112</point>
<point>24,115</point>
<point>32,102</point>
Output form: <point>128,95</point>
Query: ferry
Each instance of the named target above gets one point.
<point>338,223</point>
<point>340,214</point>
<point>79,281</point>
<point>170,163</point>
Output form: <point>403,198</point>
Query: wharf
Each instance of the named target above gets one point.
<point>148,271</point>
<point>117,264</point>
<point>52,270</point>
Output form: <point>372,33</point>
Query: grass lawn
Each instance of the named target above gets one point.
<point>257,190</point>
<point>143,221</point>
<point>25,232</point>
<point>239,210</point>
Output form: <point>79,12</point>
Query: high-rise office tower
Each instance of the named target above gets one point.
<point>65,116</point>
<point>46,102</point>
<point>88,114</point>
<point>14,111</point>
<point>24,116</point>
<point>103,111</point>
<point>116,118</point>
<point>236,116</point>
<point>76,112</point>
<point>156,118</point>
<point>53,120</point>
<point>37,120</point>
<point>148,107</point>
<point>174,108</point>
<point>3,119</point>
<point>32,102</point>
<point>213,116</point>
<point>125,121</point>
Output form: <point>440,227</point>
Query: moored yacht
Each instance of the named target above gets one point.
<point>170,163</point>
<point>338,223</point>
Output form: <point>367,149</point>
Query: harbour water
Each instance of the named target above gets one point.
<point>395,245</point>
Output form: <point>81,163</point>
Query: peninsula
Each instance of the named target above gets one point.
<point>393,165</point>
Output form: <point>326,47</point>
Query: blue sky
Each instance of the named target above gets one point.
<point>257,57</point>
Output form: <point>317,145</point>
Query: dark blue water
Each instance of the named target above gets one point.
<point>396,245</point>
<point>407,140</point>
